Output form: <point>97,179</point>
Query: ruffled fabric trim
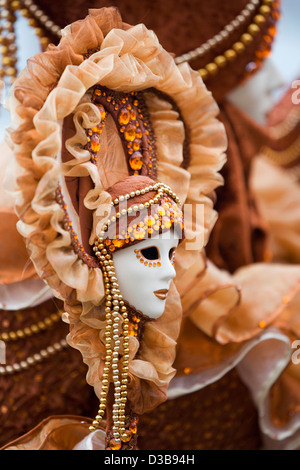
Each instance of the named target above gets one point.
<point>52,87</point>
<point>253,319</point>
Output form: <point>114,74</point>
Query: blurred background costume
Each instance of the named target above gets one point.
<point>207,372</point>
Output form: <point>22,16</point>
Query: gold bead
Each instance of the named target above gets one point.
<point>32,22</point>
<point>246,38</point>
<point>268,2</point>
<point>265,10</point>
<point>39,32</point>
<point>259,20</point>
<point>6,61</point>
<point>25,12</point>
<point>12,335</point>
<point>212,68</point>
<point>34,328</point>
<point>203,74</point>
<point>3,40</point>
<point>11,71</point>
<point>20,334</point>
<point>230,54</point>
<point>253,29</point>
<point>15,5</point>
<point>5,336</point>
<point>221,61</point>
<point>4,50</point>
<point>238,47</point>
<point>92,428</point>
<point>44,41</point>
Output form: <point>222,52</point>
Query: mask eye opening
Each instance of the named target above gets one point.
<point>172,255</point>
<point>151,253</point>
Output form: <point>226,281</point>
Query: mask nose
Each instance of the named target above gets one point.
<point>168,269</point>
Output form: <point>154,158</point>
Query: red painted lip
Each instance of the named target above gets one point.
<point>161,293</point>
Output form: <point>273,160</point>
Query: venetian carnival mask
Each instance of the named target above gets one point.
<point>144,272</point>
<point>142,237</point>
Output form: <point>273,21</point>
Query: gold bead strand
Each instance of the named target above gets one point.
<point>115,295</point>
<point>124,376</point>
<point>112,293</point>
<point>7,41</point>
<point>239,47</point>
<point>107,365</point>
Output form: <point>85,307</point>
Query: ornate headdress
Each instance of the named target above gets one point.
<point>109,90</point>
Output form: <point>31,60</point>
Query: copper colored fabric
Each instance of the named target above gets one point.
<point>181,26</point>
<point>239,236</point>
<point>56,385</point>
<point>221,416</point>
<point>61,432</point>
<point>288,108</point>
<point>15,263</point>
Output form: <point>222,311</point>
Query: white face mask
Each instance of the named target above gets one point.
<point>144,272</point>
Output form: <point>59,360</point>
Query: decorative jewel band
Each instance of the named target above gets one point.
<point>165,216</point>
<point>130,114</point>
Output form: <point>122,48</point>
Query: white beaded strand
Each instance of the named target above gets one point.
<point>224,34</point>
<point>34,359</point>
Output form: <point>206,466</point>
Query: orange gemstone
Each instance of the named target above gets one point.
<point>139,134</point>
<point>151,221</point>
<point>95,143</point>
<point>136,144</point>
<point>124,116</point>
<point>133,428</point>
<point>118,243</point>
<point>139,233</point>
<point>263,52</point>
<point>113,445</point>
<point>126,436</point>
<point>136,161</point>
<point>97,129</point>
<point>102,112</point>
<point>130,132</point>
<point>133,115</point>
<point>272,31</point>
<point>167,223</point>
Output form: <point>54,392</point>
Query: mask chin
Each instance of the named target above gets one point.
<point>145,271</point>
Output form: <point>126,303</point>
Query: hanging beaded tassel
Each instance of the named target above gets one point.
<point>116,343</point>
